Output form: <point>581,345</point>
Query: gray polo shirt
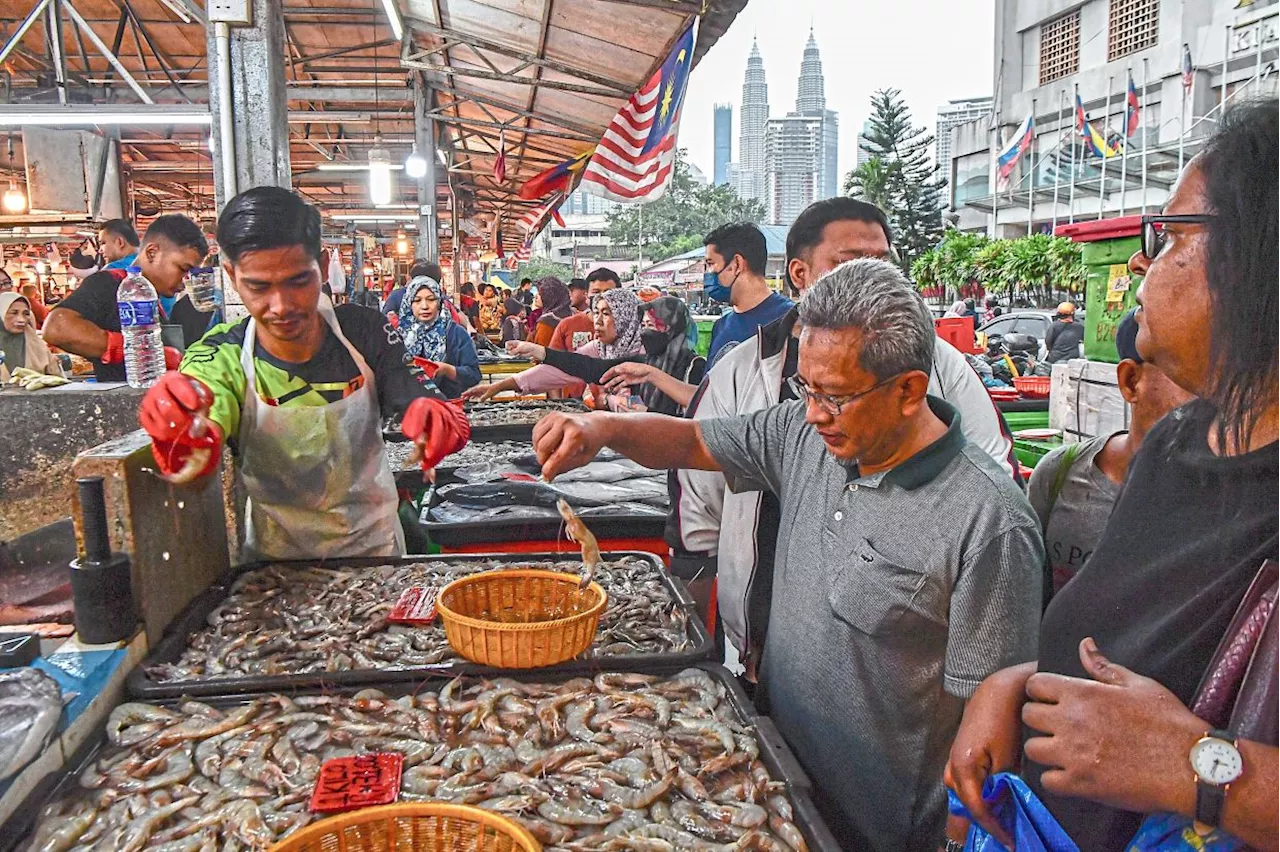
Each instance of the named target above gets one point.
<point>894,595</point>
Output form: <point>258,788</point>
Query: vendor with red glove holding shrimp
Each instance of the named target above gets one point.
<point>299,391</point>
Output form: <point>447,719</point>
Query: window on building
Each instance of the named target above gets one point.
<point>1134,25</point>
<point>1060,47</point>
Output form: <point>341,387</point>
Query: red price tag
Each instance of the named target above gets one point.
<point>348,783</point>
<point>417,605</point>
<point>520,477</point>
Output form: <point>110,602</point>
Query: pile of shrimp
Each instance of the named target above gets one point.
<point>623,761</point>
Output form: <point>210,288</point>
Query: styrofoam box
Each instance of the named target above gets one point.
<point>1085,401</point>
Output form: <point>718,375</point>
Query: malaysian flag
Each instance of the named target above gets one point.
<point>536,219</point>
<point>1188,70</point>
<point>500,164</point>
<point>637,153</point>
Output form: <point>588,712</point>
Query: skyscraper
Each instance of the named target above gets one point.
<point>723,143</point>
<point>753,121</point>
<point>955,113</point>
<point>863,156</point>
<point>802,148</point>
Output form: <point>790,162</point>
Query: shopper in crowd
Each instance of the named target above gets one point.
<point>970,308</point>
<point>616,335</point>
<point>992,311</point>
<point>87,322</point>
<point>903,547</point>
<point>1074,487</point>
<point>665,333</point>
<point>468,304</point>
<point>437,344</point>
<point>955,311</point>
<point>1115,706</point>
<point>736,258</point>
<point>735,532</point>
<point>301,388</point>
<point>525,292</point>
<point>489,310</point>
<point>513,323</point>
<point>19,342</point>
<point>552,302</point>
<point>579,295</point>
<point>1064,336</point>
<point>6,282</point>
<point>39,312</point>
<point>118,242</point>
<point>572,333</point>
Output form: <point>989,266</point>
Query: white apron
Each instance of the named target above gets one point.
<point>317,478</point>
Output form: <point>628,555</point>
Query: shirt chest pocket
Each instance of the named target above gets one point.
<point>878,596</point>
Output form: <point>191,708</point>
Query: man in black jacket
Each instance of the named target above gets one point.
<point>1065,335</point>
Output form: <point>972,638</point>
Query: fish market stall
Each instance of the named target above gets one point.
<point>287,626</point>
<point>617,760</point>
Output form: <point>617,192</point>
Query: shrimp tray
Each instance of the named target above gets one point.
<point>670,759</point>
<point>272,627</point>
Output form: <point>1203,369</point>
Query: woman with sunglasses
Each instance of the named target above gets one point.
<point>1129,720</point>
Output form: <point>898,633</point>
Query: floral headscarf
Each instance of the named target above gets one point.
<point>626,319</point>
<point>424,339</point>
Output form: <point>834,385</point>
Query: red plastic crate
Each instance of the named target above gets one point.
<point>1035,387</point>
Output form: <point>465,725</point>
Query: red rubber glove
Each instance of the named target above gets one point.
<point>172,358</point>
<point>427,366</point>
<point>174,413</point>
<point>439,428</point>
<point>115,348</point>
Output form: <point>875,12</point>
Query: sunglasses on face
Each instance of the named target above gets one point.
<point>1154,236</point>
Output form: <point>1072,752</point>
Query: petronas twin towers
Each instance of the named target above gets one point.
<point>788,162</point>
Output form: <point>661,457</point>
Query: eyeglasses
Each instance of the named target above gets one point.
<point>1153,233</point>
<point>831,404</point>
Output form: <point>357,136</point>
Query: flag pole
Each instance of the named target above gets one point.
<point>1071,198</point>
<point>1057,169</point>
<point>1145,136</point>
<point>1031,168</point>
<point>1106,148</point>
<point>1222,91</point>
<point>1124,150</point>
<point>1182,122</point>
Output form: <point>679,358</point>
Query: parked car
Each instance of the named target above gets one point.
<point>1032,321</point>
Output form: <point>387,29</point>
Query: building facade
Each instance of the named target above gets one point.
<point>1048,50</point>
<point>723,142</point>
<point>801,148</point>
<point>952,115</point>
<point>863,155</point>
<point>753,121</point>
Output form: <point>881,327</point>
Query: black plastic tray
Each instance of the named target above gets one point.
<point>775,754</point>
<point>494,531</point>
<point>170,648</point>
<point>413,480</point>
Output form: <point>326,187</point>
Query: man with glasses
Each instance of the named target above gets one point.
<point>908,563</point>
<point>731,536</point>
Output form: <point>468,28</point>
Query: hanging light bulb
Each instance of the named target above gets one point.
<point>402,243</point>
<point>15,200</point>
<point>415,165</point>
<point>379,174</point>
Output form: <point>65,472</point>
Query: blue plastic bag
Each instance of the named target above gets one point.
<point>1020,813</point>
<point>1174,833</point>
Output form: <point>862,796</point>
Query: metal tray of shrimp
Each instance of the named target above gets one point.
<point>269,627</point>
<point>676,758</point>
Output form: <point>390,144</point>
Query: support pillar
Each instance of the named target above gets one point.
<point>259,102</point>
<point>424,133</point>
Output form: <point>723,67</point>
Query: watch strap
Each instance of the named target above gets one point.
<point>1211,797</point>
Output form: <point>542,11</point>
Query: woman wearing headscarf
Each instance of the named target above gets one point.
<point>513,327</point>
<point>617,334</point>
<point>665,332</point>
<point>21,345</point>
<point>437,344</point>
<point>553,299</point>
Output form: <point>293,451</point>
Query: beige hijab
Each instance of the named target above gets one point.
<point>38,356</point>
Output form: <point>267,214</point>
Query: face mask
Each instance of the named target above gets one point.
<point>653,341</point>
<point>712,286</point>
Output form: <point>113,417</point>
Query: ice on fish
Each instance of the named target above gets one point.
<point>30,706</point>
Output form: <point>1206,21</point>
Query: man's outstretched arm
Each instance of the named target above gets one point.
<point>567,441</point>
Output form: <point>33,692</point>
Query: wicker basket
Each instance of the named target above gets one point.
<point>412,827</point>
<point>1032,386</point>
<point>520,619</point>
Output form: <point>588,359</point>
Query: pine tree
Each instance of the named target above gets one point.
<point>905,183</point>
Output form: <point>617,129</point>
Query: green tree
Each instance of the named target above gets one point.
<point>677,222</point>
<point>541,267</point>
<point>906,184</point>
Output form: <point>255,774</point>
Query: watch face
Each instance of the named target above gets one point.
<point>1216,761</point>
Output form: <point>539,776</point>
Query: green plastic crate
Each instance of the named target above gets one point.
<point>1029,452</point>
<point>1101,316</point>
<point>704,337</point>
<point>1019,420</point>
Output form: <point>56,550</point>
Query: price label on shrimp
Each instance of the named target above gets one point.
<point>417,605</point>
<point>360,781</point>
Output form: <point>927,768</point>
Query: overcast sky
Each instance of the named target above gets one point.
<point>933,50</point>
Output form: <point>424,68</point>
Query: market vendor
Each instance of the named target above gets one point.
<point>908,564</point>
<point>299,391</point>
<point>87,322</point>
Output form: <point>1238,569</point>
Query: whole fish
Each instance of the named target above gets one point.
<point>30,706</point>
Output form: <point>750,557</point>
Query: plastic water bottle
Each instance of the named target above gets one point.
<point>140,326</point>
<point>201,289</point>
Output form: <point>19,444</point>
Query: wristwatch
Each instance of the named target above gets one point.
<point>1217,763</point>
